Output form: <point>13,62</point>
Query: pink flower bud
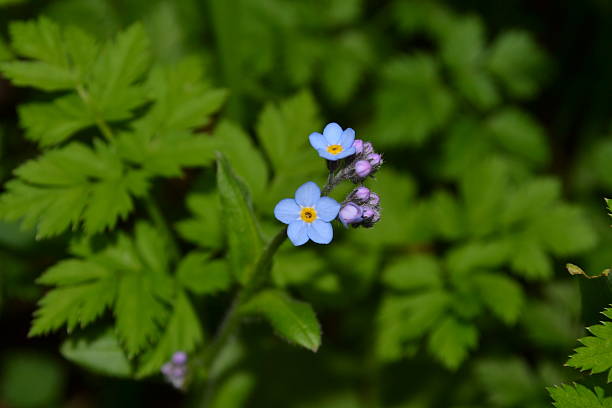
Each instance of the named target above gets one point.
<point>358,145</point>
<point>368,148</point>
<point>363,168</point>
<point>361,193</point>
<point>350,213</point>
<point>179,358</point>
<point>374,199</point>
<point>375,159</point>
<point>368,212</point>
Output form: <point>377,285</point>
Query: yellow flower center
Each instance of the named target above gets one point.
<point>334,149</point>
<point>308,214</point>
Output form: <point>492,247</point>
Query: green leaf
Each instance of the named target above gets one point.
<point>509,381</point>
<point>85,291</point>
<point>564,230</point>
<point>451,341</point>
<point>578,396</point>
<point>483,190</point>
<point>38,75</point>
<point>183,332</point>
<point>204,228</point>
<point>201,275</point>
<point>52,123</point>
<point>101,353</point>
<point>519,134</point>
<point>412,102</point>
<point>447,215</point>
<point>138,312</point>
<point>282,130</point>
<point>245,241</point>
<point>71,186</point>
<point>247,160</point>
<point>183,101</point>
<point>413,272</point>
<point>502,295</point>
<point>405,318</point>
<point>120,65</point>
<point>530,260</point>
<point>293,320</point>
<point>234,391</point>
<point>519,63</point>
<point>595,354</point>
<point>463,259</point>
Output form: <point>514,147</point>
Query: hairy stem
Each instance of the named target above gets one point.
<point>231,320</point>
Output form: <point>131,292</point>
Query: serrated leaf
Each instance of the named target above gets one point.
<point>120,65</point>
<point>293,320</point>
<point>502,295</point>
<point>71,186</point>
<point>38,75</point>
<point>183,332</point>
<point>577,396</point>
<point>282,130</point>
<point>245,241</point>
<point>183,101</point>
<point>201,275</point>
<point>101,354</point>
<point>595,354</point>
<point>451,341</point>
<point>52,123</point>
<point>78,300</point>
<point>413,272</point>
<point>447,215</point>
<point>204,228</point>
<point>138,313</point>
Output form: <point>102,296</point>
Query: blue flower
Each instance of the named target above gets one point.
<point>334,143</point>
<point>308,215</point>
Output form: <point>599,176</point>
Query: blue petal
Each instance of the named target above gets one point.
<point>327,209</point>
<point>320,232</point>
<point>308,194</point>
<point>327,155</point>
<point>317,140</point>
<point>347,138</point>
<point>298,232</point>
<point>333,133</point>
<point>287,211</point>
<point>345,153</point>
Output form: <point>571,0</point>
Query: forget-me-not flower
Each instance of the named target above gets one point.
<point>334,143</point>
<point>308,215</point>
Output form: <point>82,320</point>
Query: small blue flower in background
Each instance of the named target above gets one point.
<point>308,215</point>
<point>334,143</point>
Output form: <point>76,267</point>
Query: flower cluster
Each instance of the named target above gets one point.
<point>360,208</point>
<point>175,370</point>
<point>310,213</point>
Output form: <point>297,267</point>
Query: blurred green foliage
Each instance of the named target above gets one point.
<point>496,134</point>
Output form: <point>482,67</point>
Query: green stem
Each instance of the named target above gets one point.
<point>100,122</point>
<point>231,321</point>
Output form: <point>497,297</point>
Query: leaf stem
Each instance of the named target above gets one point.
<point>231,320</point>
<point>101,123</point>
